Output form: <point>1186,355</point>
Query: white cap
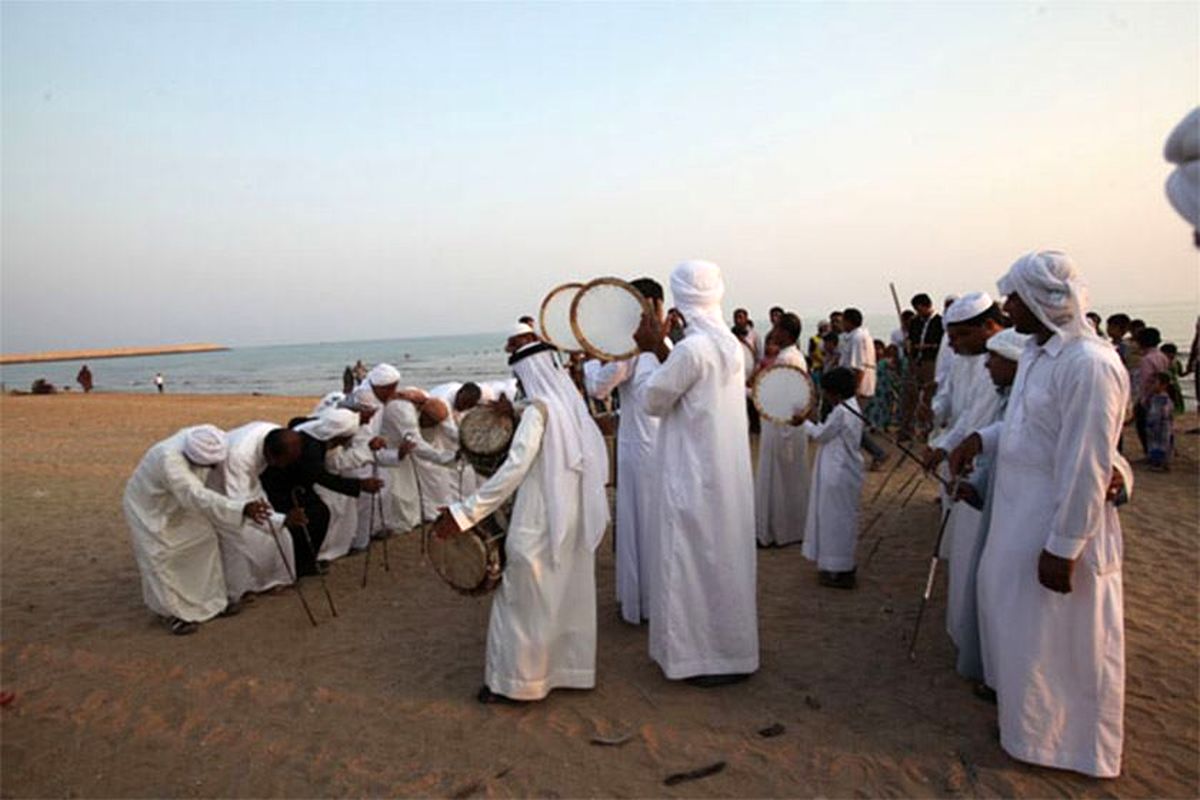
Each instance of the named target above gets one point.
<point>520,329</point>
<point>968,306</point>
<point>1008,344</point>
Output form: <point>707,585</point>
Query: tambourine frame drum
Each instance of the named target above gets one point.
<point>555,296</point>
<point>483,445</point>
<point>580,328</point>
<point>804,403</point>
<point>471,562</point>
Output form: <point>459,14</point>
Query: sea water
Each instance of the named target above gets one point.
<point>314,369</point>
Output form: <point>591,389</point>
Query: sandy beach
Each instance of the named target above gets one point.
<point>379,701</point>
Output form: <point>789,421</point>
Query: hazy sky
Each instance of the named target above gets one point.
<point>276,172</point>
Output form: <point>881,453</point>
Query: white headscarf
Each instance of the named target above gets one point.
<point>331,424</point>
<point>1008,344</point>
<point>1050,284</point>
<point>328,401</point>
<point>364,396</point>
<point>383,375</point>
<point>205,445</point>
<point>571,443</point>
<point>697,288</point>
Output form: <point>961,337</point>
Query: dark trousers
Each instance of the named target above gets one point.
<point>917,395</point>
<point>318,524</point>
<point>1139,422</point>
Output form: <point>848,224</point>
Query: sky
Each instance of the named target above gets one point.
<point>270,172</point>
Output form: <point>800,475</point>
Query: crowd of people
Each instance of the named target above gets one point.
<point>1016,405</point>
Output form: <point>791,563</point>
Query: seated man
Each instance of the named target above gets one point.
<point>542,633</point>
<point>171,516</point>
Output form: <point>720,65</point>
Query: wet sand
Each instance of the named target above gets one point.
<point>380,700</point>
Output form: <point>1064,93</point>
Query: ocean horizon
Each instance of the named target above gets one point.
<point>314,368</point>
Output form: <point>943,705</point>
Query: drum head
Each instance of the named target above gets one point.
<point>783,391</point>
<point>604,315</point>
<point>485,431</point>
<point>460,559</point>
<point>555,317</point>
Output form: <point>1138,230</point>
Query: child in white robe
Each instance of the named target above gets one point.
<point>831,529</point>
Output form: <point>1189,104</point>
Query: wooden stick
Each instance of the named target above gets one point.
<point>291,573</point>
<point>370,530</point>
<point>296,492</point>
<point>897,443</point>
<point>933,562</point>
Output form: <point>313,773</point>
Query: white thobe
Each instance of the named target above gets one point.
<point>250,554</point>
<point>403,491</point>
<point>1057,661</point>
<point>858,353</point>
<point>349,517</point>
<point>171,515</point>
<point>542,630</point>
<point>781,485</point>
<point>831,530</point>
<point>703,613</point>
<point>980,406</point>
<point>636,436</point>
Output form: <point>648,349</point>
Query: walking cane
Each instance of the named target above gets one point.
<point>901,447</point>
<point>370,530</point>
<point>879,515</point>
<point>933,563</point>
<point>296,493</point>
<point>291,573</point>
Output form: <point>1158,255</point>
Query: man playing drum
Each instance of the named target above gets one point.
<point>542,631</point>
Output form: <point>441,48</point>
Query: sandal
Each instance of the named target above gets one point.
<point>181,627</point>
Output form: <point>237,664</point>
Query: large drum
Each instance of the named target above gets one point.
<point>484,434</point>
<point>605,313</point>
<point>471,561</point>
<point>781,392</point>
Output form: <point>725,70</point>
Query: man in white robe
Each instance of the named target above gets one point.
<point>970,322</point>
<point>171,515</point>
<point>636,436</point>
<point>857,353</point>
<point>542,630</point>
<point>781,484</point>
<point>831,527</point>
<point>1050,593</point>
<point>252,558</point>
<point>703,613</point>
<point>398,424</point>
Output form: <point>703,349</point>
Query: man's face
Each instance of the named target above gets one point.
<point>1024,320</point>
<point>740,318</point>
<point>924,310</point>
<point>515,343</point>
<point>835,323</point>
<point>1002,370</point>
<point>1115,331</point>
<point>968,340</point>
<point>384,393</point>
<point>775,315</point>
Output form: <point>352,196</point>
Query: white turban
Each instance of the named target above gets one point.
<point>968,307</point>
<point>363,396</point>
<point>1183,185</point>
<point>520,329</point>
<point>571,443</point>
<point>1050,285</point>
<point>205,445</point>
<point>383,375</point>
<point>331,424</point>
<point>697,288</point>
<point>1183,190</point>
<point>328,401</point>
<point>1008,344</point>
